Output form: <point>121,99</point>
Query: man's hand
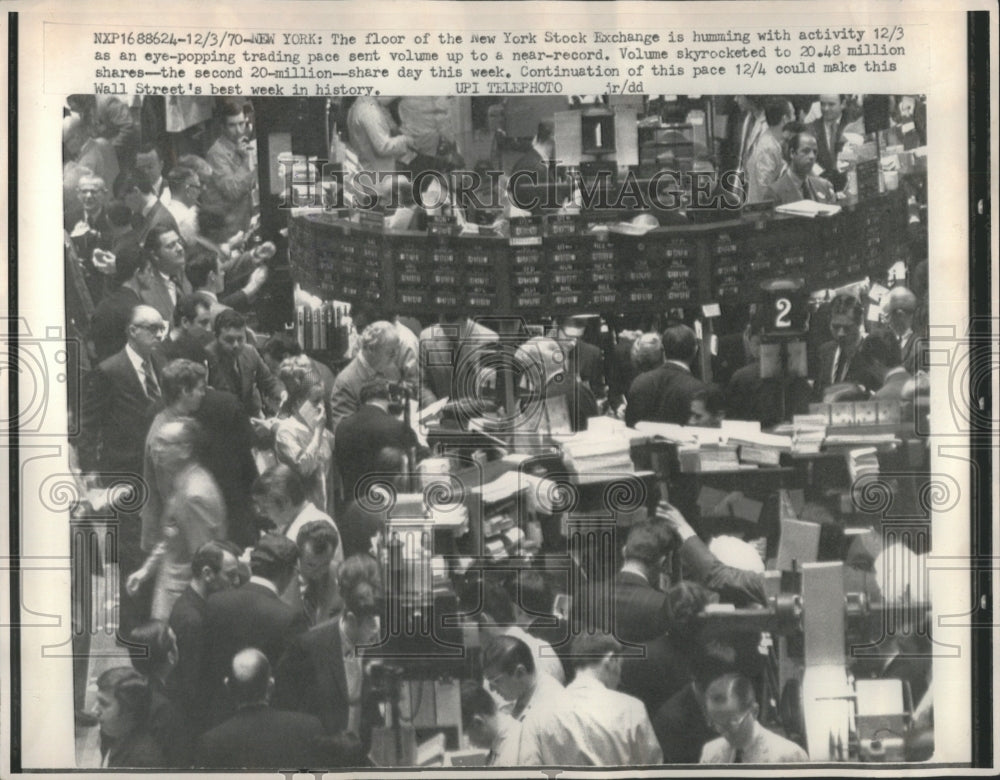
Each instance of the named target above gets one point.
<point>257,279</point>
<point>674,520</point>
<point>263,252</point>
<point>135,580</point>
<point>103,261</point>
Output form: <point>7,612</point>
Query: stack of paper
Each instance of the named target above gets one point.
<point>587,453</point>
<point>761,448</point>
<point>808,208</point>
<point>862,462</point>
<point>708,457</point>
<point>808,432</point>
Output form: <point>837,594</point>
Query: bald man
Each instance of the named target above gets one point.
<point>546,377</point>
<point>899,306</point>
<point>258,736</point>
<point>118,400</point>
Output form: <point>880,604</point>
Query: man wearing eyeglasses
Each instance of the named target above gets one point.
<point>731,709</point>
<point>118,399</point>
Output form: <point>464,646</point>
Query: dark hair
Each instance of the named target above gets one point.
<point>179,375</point>
<point>775,108</point>
<point>708,661</point>
<point>200,264</point>
<point>376,388</point>
<point>476,700</point>
<point>731,685</point>
<point>228,319</point>
<point>179,174</point>
<point>645,544</point>
<point>844,303</point>
<point>132,180</point>
<point>389,460</point>
<point>318,534</point>
<point>687,599</point>
<point>210,554</point>
<point>882,347</point>
<point>188,305</point>
<point>229,108</point>
<point>505,653</point>
<point>360,582</point>
<point>713,397</point>
<point>153,645</point>
<point>274,557</point>
<point>589,649</point>
<point>280,480</point>
<point>679,343</point>
<point>280,346</point>
<point>794,127</point>
<point>128,260</point>
<point>130,689</point>
<point>796,139</point>
<point>152,242</point>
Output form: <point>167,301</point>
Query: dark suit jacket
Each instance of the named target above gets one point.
<point>662,395</point>
<point>115,415</point>
<point>228,456</point>
<point>361,436</point>
<point>311,678</point>
<point>733,355</point>
<point>826,155</point>
<point>152,291</point>
<point>255,387</point>
<point>656,676</point>
<point>259,737</point>
<point>642,612</point>
<point>587,362</point>
<point>138,749</point>
<point>749,397</point>
<point>785,190</point>
<point>167,724</point>
<point>249,616</point>
<point>110,319</point>
<point>187,619</point>
<point>681,727</point>
<point>734,586</point>
<point>157,216</point>
<point>860,370</point>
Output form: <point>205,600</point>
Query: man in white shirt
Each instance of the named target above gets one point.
<point>590,723</point>
<point>510,670</point>
<point>185,186</point>
<point>488,727</point>
<point>148,162</point>
<point>731,708</point>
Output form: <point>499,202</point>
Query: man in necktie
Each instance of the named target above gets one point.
<point>731,708</point>
<point>797,182</point>
<point>828,129</point>
<point>166,281</point>
<point>842,359</point>
<point>899,306</point>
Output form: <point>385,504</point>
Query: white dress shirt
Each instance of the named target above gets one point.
<point>589,725</point>
<point>546,660</point>
<point>138,363</point>
<point>764,747</point>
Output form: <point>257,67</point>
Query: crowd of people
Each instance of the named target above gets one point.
<point>250,578</point>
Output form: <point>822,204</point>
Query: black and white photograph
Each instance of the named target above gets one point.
<point>365,430</point>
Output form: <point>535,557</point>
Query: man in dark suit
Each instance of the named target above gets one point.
<point>828,132</point>
<point>214,568</point>
<point>165,281</point>
<point>900,305</point>
<point>322,672</point>
<point>664,394</point>
<point>110,319</point>
<point>583,359</point>
<point>362,435</point>
<point>253,615</point>
<point>258,736</point>
<point>192,330</point>
<point>148,212</point>
<point>237,367</point>
<point>641,610</point>
<point>119,397</point>
<point>797,182</point>
<point>842,359</point>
